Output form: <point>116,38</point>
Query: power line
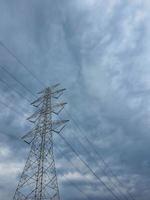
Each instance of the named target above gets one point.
<point>101,157</point>
<point>111,184</point>
<point>6,105</point>
<point>106,164</point>
<point>20,94</point>
<point>71,163</point>
<point>10,74</point>
<point>79,189</point>
<point>90,169</point>
<point>77,169</point>
<point>21,63</point>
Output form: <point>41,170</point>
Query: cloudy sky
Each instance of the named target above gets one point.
<point>100,51</point>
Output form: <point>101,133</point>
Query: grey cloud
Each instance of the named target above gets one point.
<point>100,51</point>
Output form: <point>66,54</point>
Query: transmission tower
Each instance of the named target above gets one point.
<point>39,180</point>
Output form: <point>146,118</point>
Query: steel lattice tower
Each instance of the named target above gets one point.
<point>39,180</point>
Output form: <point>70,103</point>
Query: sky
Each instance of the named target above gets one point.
<point>99,51</point>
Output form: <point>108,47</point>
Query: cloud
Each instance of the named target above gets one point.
<point>100,51</point>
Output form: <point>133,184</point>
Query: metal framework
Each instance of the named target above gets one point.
<point>39,180</point>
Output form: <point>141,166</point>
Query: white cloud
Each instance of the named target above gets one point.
<point>75,176</point>
<point>4,151</point>
<point>8,166</point>
<point>10,169</point>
